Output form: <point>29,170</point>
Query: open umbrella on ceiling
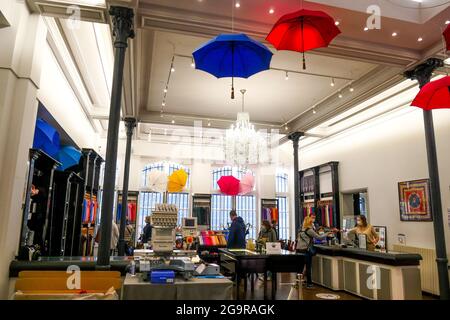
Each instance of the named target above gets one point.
<point>434,95</point>
<point>177,181</point>
<point>157,181</point>
<point>68,156</point>
<point>246,184</point>
<point>446,35</point>
<point>229,185</point>
<point>232,55</point>
<point>302,31</point>
<point>46,138</point>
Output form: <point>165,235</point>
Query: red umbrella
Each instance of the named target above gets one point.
<point>229,185</point>
<point>434,95</point>
<point>446,35</point>
<point>302,31</point>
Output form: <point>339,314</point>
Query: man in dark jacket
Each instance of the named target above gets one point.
<point>147,232</point>
<point>236,237</point>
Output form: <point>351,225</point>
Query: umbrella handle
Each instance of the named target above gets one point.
<point>304,61</point>
<point>232,88</point>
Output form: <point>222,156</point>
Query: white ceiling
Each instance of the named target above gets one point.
<point>269,98</point>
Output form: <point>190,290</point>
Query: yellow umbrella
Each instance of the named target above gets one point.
<point>177,181</point>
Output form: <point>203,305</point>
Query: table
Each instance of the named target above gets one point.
<point>242,262</point>
<point>134,288</point>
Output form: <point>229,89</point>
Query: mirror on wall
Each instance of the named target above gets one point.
<point>355,202</point>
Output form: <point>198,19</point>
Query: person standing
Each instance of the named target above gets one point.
<point>363,228</point>
<point>305,245</point>
<point>147,231</point>
<point>236,237</point>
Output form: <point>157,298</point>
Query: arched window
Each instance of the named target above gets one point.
<point>221,205</point>
<point>148,199</point>
<point>282,192</point>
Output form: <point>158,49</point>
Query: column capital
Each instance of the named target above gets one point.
<point>423,72</point>
<point>122,25</point>
<point>130,124</point>
<point>295,136</point>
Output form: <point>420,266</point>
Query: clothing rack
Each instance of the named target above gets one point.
<point>269,212</point>
<point>132,208</point>
<point>315,198</point>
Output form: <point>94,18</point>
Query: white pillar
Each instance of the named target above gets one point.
<point>20,71</point>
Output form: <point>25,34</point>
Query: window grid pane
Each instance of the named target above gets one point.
<point>246,208</point>
<point>147,202</point>
<point>221,206</point>
<point>181,200</point>
<point>283,217</point>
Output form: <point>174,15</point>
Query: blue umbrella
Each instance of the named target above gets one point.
<point>46,138</point>
<point>68,156</point>
<point>232,55</point>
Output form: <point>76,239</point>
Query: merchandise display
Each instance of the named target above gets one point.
<point>148,179</point>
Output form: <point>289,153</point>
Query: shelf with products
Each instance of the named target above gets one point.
<point>89,169</point>
<point>132,210</point>
<point>270,212</point>
<point>319,194</point>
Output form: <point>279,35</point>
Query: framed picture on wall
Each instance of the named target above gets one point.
<point>414,199</point>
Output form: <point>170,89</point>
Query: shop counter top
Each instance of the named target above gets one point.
<point>61,263</point>
<point>388,258</point>
<point>134,288</point>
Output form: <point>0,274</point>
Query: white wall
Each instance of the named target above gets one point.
<point>379,155</point>
<point>59,99</point>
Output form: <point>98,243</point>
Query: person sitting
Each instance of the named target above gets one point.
<point>267,233</point>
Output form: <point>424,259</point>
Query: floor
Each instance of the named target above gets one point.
<point>285,282</point>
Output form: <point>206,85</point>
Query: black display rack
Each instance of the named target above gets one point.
<point>40,173</point>
<point>311,195</point>
<point>67,187</point>
<point>132,198</point>
<point>89,171</point>
<point>201,209</point>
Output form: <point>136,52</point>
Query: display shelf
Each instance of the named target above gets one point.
<point>270,212</point>
<point>321,198</point>
<point>66,189</point>
<point>132,210</point>
<point>36,209</point>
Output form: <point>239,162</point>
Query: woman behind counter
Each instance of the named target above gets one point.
<point>267,233</point>
<point>362,227</point>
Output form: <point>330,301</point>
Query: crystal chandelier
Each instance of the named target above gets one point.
<point>243,145</point>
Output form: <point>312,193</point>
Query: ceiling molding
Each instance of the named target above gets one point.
<point>63,10</point>
<point>193,23</point>
<point>370,85</point>
<point>188,120</point>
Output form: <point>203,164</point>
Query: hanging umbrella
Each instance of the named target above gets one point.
<point>302,31</point>
<point>232,55</point>
<point>157,181</point>
<point>434,95</point>
<point>177,181</point>
<point>68,156</point>
<point>46,138</point>
<point>246,184</point>
<point>229,185</point>
<point>446,35</point>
